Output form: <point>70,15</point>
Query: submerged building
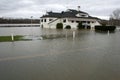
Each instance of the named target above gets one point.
<point>70,18</point>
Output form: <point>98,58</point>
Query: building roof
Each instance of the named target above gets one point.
<point>70,13</point>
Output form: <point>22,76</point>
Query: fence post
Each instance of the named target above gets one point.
<point>12,37</point>
<point>73,34</point>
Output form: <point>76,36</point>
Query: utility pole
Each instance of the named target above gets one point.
<point>31,20</point>
<point>31,25</point>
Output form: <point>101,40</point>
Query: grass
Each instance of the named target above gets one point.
<point>8,38</point>
<point>29,38</point>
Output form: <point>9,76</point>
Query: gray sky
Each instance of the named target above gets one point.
<point>36,8</point>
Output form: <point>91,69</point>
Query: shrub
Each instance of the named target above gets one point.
<point>105,28</point>
<point>41,26</point>
<point>88,27</point>
<point>59,26</point>
<point>80,26</point>
<point>68,27</point>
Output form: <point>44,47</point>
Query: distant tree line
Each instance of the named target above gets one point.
<point>115,14</point>
<point>18,21</point>
<point>112,22</point>
<point>114,19</point>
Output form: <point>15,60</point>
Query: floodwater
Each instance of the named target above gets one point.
<point>89,56</point>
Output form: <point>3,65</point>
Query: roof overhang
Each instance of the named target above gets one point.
<point>82,19</point>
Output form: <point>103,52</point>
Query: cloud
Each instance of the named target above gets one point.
<point>36,8</point>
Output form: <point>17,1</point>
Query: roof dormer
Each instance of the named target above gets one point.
<point>81,15</point>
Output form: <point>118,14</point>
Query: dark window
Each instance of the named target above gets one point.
<point>88,22</point>
<point>41,20</point>
<point>50,19</point>
<point>77,21</point>
<point>88,27</point>
<point>64,20</point>
<point>83,15</point>
<point>72,21</point>
<point>83,21</point>
<point>44,20</point>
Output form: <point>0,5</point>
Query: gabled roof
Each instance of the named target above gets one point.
<point>75,11</point>
<point>52,14</point>
<point>69,13</point>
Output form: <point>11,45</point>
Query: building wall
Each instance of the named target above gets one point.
<point>47,23</point>
<point>72,24</point>
<point>53,24</point>
<point>94,24</point>
<point>67,21</point>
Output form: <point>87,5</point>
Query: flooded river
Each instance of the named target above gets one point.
<point>89,56</point>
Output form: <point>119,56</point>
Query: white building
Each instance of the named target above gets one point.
<point>70,17</point>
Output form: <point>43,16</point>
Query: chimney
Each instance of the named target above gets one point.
<point>78,8</point>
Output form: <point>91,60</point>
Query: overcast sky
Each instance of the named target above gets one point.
<point>36,8</point>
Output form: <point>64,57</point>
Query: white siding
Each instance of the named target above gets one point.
<point>46,24</point>
<point>94,24</point>
<point>69,22</point>
<point>54,21</point>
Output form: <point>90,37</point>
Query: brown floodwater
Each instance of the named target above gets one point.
<point>89,56</point>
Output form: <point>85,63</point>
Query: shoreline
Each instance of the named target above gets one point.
<point>19,25</point>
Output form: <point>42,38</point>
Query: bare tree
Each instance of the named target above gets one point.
<point>115,18</point>
<point>115,14</point>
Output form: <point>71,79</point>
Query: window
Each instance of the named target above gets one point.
<point>77,21</point>
<point>72,21</point>
<point>83,21</point>
<point>88,22</point>
<point>83,15</point>
<point>44,20</point>
<point>50,19</point>
<point>64,20</point>
<point>41,20</point>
